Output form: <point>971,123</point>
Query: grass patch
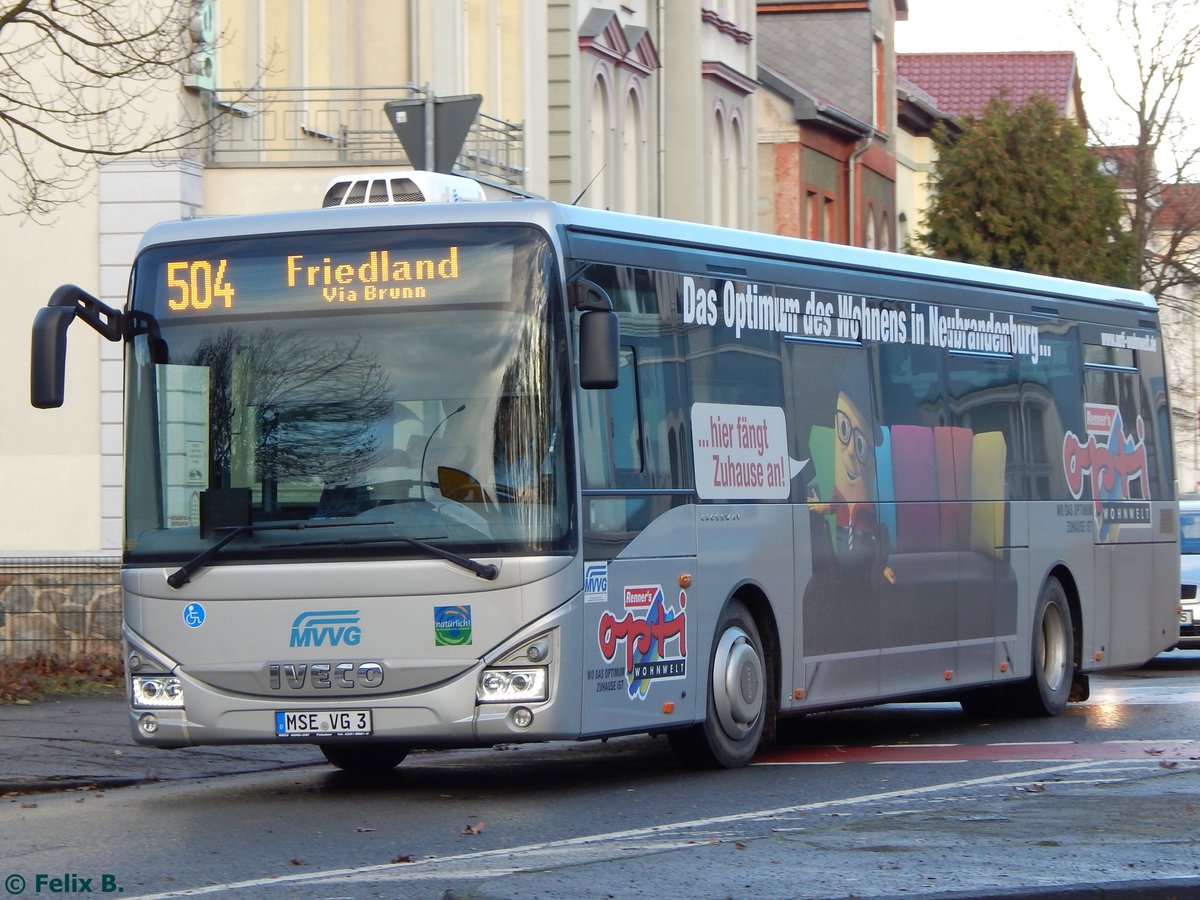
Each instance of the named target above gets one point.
<point>42,677</point>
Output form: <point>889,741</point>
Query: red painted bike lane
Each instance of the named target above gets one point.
<point>1052,751</point>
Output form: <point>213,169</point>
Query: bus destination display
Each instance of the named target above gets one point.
<point>210,282</point>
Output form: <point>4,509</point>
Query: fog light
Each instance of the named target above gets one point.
<point>148,723</point>
<point>134,662</point>
<point>512,686</point>
<point>521,717</point>
<point>157,691</point>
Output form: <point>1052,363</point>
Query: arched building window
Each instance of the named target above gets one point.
<point>599,159</point>
<point>716,167</point>
<point>634,159</point>
<point>734,173</point>
<point>613,142</point>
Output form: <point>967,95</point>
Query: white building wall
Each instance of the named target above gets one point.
<point>50,458</point>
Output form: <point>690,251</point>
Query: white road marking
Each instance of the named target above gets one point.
<point>637,841</point>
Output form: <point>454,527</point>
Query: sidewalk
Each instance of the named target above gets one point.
<point>79,742</point>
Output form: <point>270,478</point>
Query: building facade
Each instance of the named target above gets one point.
<point>827,120</point>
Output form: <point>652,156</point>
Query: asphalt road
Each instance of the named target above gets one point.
<point>891,801</point>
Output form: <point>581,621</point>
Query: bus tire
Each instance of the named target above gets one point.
<point>364,759</point>
<point>737,697</point>
<point>1053,661</point>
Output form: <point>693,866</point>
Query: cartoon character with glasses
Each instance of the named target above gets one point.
<point>861,539</point>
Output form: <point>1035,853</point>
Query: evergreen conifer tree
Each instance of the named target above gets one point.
<point>1018,188</point>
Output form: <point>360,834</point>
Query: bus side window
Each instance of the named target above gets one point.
<point>610,428</point>
<point>624,421</point>
<point>1111,379</point>
<point>1050,405</point>
<point>983,395</point>
<point>611,443</point>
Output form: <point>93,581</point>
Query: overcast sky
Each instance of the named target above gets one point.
<point>974,25</point>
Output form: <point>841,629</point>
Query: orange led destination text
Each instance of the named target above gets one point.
<point>377,277</point>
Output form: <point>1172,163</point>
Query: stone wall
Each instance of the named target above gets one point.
<point>64,608</point>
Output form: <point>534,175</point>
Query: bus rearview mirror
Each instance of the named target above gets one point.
<point>599,342</point>
<point>48,356</point>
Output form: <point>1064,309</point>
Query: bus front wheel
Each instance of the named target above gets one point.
<point>737,697</point>
<point>364,759</point>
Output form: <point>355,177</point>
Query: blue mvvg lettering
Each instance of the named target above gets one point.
<point>326,627</point>
<point>595,580</point>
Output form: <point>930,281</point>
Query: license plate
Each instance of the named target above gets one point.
<point>1185,617</point>
<point>325,723</point>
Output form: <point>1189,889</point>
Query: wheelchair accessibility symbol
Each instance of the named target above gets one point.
<point>193,615</point>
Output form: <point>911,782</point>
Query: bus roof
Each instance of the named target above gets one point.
<point>550,215</point>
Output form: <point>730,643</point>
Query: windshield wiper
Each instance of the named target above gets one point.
<point>483,570</point>
<point>183,575</point>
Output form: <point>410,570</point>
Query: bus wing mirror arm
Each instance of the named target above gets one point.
<point>586,294</point>
<point>599,336</point>
<point>48,355</point>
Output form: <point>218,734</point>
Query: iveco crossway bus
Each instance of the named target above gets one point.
<point>405,474</point>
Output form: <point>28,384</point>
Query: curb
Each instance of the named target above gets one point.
<point>69,783</point>
<point>1143,889</point>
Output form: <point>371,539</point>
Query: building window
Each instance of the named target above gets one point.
<point>633,155</point>
<point>716,167</point>
<point>879,58</point>
<point>599,123</point>
<point>733,175</point>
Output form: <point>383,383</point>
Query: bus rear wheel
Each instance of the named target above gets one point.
<point>364,759</point>
<point>737,697</point>
<point>1049,687</point>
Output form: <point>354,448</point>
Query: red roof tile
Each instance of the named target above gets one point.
<point>1181,208</point>
<point>963,83</point>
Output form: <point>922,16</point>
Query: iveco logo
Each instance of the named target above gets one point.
<point>324,676</point>
<point>326,627</point>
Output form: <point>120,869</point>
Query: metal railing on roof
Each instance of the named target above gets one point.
<point>324,126</point>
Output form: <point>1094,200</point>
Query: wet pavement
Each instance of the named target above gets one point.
<point>79,742</point>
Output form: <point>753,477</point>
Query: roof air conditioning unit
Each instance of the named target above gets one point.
<point>400,187</point>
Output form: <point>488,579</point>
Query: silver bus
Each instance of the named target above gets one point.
<point>414,474</point>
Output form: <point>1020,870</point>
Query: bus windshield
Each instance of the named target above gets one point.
<point>340,394</point>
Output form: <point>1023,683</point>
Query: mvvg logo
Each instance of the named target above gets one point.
<point>326,627</point>
<point>595,582</point>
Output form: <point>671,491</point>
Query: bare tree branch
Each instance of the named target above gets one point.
<point>1162,40</point>
<point>82,81</point>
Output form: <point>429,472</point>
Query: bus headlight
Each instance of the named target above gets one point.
<point>524,685</point>
<point>157,691</point>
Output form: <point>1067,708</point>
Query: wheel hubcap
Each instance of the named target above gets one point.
<point>1053,648</point>
<point>737,683</point>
